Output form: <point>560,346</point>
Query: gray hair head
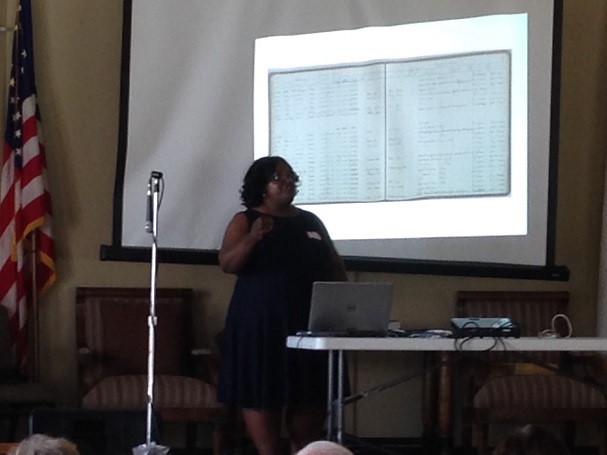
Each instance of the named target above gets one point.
<point>41,444</point>
<point>324,448</point>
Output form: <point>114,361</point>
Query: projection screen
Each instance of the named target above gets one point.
<point>425,133</point>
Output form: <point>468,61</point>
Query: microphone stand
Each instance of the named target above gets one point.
<point>151,226</point>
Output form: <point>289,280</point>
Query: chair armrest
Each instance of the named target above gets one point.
<point>85,358</point>
<point>207,364</point>
<point>589,366</point>
<point>87,369</point>
<point>474,371</point>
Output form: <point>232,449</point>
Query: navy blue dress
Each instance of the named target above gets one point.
<point>271,301</point>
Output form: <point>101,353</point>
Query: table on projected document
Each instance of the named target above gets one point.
<point>337,347</point>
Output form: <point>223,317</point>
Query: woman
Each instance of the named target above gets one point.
<point>278,251</point>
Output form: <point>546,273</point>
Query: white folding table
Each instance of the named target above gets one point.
<point>337,346</point>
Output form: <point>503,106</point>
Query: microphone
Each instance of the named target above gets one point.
<point>148,215</point>
<point>153,187</point>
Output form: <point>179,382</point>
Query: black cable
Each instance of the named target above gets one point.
<point>386,385</point>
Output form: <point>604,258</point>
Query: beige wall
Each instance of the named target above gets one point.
<point>78,46</point>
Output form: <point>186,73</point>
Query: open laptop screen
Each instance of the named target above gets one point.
<point>350,307</point>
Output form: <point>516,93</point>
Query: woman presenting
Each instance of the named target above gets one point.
<point>277,251</point>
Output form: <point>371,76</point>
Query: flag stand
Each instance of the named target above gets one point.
<point>154,184</point>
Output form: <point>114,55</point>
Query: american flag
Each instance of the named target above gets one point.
<point>27,252</point>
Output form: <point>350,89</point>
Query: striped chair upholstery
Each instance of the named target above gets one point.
<point>537,392</point>
<point>129,392</point>
<point>539,395</point>
<point>112,339</point>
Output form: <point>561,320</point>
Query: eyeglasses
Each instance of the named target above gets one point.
<point>290,177</point>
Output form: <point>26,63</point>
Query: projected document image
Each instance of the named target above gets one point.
<point>396,130</point>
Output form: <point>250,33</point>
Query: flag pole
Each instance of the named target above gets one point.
<point>34,326</point>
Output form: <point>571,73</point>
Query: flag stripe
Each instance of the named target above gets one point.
<point>32,169</point>
<point>7,209</point>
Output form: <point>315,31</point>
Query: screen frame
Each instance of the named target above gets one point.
<point>550,271</point>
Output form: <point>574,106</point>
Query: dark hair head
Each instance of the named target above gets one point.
<point>257,177</point>
<point>532,440</point>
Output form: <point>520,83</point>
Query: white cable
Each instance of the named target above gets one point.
<point>552,332</point>
<point>567,320</point>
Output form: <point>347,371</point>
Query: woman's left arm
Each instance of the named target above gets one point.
<point>338,267</point>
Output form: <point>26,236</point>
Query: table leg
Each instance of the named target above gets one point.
<point>340,396</point>
<point>330,380</point>
<point>429,402</point>
<point>444,403</point>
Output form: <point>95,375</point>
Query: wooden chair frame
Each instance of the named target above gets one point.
<point>93,366</point>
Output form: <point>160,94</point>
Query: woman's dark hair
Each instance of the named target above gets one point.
<point>257,177</point>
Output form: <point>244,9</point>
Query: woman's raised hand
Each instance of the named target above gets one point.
<point>261,226</point>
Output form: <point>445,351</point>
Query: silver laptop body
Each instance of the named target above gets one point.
<point>339,308</point>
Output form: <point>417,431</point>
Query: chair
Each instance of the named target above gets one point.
<point>112,340</point>
<point>512,387</point>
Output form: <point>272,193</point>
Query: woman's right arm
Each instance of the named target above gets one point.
<point>238,241</point>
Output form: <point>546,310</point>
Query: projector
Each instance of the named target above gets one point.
<point>484,327</point>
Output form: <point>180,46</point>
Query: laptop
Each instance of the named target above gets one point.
<point>349,309</point>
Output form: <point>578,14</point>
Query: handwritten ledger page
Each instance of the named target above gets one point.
<point>396,130</point>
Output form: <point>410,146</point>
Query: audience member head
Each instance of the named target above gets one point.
<point>324,448</point>
<point>531,440</point>
<point>41,444</point>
